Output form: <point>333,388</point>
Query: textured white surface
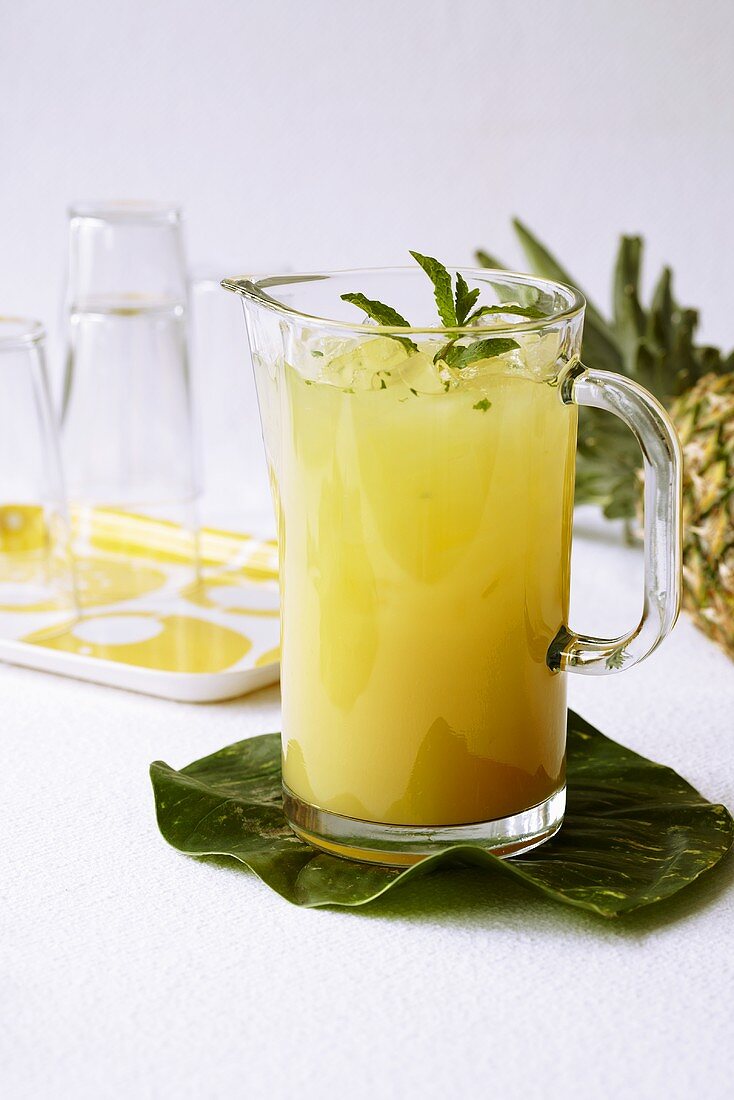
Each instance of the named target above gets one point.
<point>129,970</point>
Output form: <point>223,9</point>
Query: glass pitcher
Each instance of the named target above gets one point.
<point>423,481</point>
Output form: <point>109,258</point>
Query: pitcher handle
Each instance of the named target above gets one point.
<point>662,465</point>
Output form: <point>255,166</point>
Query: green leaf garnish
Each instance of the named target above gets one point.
<point>635,832</point>
<point>532,313</point>
<point>384,315</point>
<point>465,299</point>
<point>378,311</point>
<point>455,308</point>
<point>443,293</point>
<point>318,354</point>
<point>459,356</point>
<point>483,405</point>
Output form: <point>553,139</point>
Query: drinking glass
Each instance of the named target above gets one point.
<point>423,480</point>
<point>36,569</point>
<point>127,434</point>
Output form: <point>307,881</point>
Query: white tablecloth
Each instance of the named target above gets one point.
<point>129,970</point>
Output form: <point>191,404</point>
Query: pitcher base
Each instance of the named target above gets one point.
<point>404,845</point>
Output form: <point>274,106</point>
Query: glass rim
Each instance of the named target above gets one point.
<point>125,210</point>
<point>254,288</point>
<point>19,332</point>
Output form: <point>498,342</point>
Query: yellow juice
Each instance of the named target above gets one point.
<point>424,524</point>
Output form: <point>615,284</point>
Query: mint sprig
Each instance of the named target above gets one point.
<point>384,315</point>
<point>455,305</point>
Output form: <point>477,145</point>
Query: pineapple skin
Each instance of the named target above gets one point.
<point>704,419</point>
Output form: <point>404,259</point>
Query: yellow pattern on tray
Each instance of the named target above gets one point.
<point>167,643</point>
<point>115,532</point>
<point>118,552</point>
<point>23,527</point>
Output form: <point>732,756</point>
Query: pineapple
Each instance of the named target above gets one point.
<point>704,419</point>
<point>655,345</point>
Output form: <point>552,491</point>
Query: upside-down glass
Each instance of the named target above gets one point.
<point>36,569</point>
<point>127,435</point>
<point>424,519</point>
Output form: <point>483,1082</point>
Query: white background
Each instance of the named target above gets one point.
<point>332,133</point>
<point>337,134</point>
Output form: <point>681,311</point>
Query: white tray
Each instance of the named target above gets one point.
<point>192,642</point>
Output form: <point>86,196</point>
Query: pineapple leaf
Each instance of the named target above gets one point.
<point>546,265</point>
<point>486,259</point>
<point>683,369</point>
<point>654,346</point>
<point>629,316</point>
<point>599,340</point>
<point>662,309</point>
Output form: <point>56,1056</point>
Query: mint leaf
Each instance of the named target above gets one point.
<point>443,292</point>
<point>460,356</point>
<point>483,405</point>
<point>384,315</point>
<point>378,311</point>
<point>465,298</point>
<point>531,313</point>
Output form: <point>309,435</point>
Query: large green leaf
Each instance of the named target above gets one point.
<point>634,833</point>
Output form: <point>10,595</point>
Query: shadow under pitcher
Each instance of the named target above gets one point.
<point>423,480</point>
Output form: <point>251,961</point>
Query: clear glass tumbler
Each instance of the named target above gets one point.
<point>424,481</point>
<point>127,435</point>
<point>36,567</point>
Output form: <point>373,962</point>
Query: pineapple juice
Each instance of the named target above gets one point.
<point>424,522</point>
